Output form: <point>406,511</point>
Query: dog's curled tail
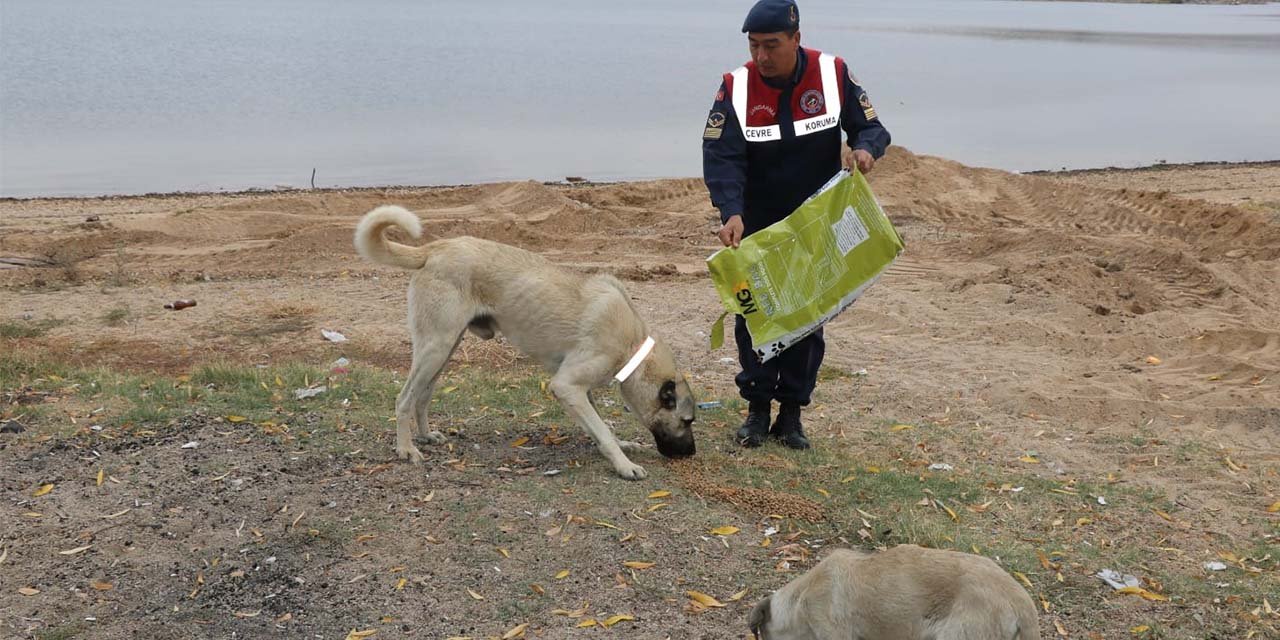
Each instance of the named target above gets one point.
<point>373,244</point>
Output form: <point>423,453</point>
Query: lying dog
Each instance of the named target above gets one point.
<point>904,593</point>
<point>582,329</point>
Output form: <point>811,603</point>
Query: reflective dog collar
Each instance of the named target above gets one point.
<point>635,361</point>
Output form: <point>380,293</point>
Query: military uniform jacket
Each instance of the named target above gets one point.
<point>768,146</point>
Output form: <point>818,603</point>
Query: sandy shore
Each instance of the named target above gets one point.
<point>1101,319</point>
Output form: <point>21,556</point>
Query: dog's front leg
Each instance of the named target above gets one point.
<point>573,397</point>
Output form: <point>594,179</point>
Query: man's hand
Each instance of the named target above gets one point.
<point>865,161</point>
<point>731,233</point>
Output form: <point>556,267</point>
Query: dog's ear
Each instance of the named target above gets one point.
<point>667,395</point>
<point>759,618</point>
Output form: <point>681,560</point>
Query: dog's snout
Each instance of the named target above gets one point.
<point>681,447</point>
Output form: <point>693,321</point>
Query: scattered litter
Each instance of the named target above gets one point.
<point>340,366</point>
<point>711,404</point>
<point>727,361</point>
<point>551,472</point>
<point>769,531</point>
<point>303,394</point>
<point>333,336</point>
<point>940,466</point>
<point>179,305</point>
<point>1017,489</point>
<point>1118,580</point>
<point>1102,501</point>
<point>861,373</point>
<point>191,445</point>
<point>1215,566</point>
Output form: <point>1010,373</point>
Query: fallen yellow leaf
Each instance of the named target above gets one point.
<point>1023,578</point>
<point>401,583</point>
<point>1080,522</point>
<point>824,492</point>
<point>738,596</point>
<point>848,479</point>
<point>901,427</point>
<point>1274,508</point>
<point>359,635</point>
<point>235,419</point>
<point>659,494</point>
<point>1162,514</point>
<point>703,599</point>
<point>602,523</point>
<point>474,595</point>
<point>950,512</point>
<point>1153,360</point>
<point>1142,628</point>
<point>520,442</point>
<point>655,507</point>
<point>536,588</point>
<point>562,575</point>
<point>42,490</point>
<point>612,620</point>
<point>516,631</point>
<point>589,622</point>
<point>504,552</point>
<point>1030,459</point>
<point>100,585</point>
<point>28,591</point>
<point>635,564</point>
<point>1062,631</point>
<point>102,476</point>
<point>1146,595</point>
<point>725,530</point>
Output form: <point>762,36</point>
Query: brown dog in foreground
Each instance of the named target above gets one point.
<point>583,329</point>
<point>903,593</point>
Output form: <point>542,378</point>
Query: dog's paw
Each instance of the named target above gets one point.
<point>410,453</point>
<point>431,438</point>
<point>631,471</point>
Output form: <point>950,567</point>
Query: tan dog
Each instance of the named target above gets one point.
<point>904,593</point>
<point>583,329</point>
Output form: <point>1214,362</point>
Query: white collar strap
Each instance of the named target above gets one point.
<point>634,362</point>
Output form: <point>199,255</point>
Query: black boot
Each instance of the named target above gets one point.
<point>755,429</point>
<point>788,429</point>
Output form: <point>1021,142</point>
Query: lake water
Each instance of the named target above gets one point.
<point>133,96</point>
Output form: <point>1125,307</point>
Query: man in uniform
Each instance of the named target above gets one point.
<point>772,139</point>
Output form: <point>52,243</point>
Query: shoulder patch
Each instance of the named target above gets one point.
<point>715,120</point>
<point>868,111</point>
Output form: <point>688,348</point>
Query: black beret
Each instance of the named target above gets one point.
<point>771,16</point>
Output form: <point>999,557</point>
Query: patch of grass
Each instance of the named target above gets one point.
<point>61,633</point>
<point>117,316</point>
<point>18,329</point>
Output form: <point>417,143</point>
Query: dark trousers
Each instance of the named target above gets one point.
<point>788,378</point>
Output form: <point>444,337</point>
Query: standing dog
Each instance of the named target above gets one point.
<point>904,593</point>
<point>582,329</point>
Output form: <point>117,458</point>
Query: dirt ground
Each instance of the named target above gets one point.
<point>1121,323</point>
